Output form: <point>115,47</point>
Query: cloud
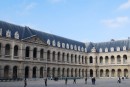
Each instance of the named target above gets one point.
<point>125,5</point>
<point>30,6</point>
<point>117,22</point>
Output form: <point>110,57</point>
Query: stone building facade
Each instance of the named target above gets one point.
<point>25,52</point>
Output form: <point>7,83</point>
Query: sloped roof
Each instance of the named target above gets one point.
<point>25,32</point>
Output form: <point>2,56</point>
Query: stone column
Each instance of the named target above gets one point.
<point>38,54</point>
<point>38,73</point>
<point>122,60</point>
<point>31,54</point>
<point>30,72</point>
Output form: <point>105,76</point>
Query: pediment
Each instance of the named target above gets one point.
<point>35,40</point>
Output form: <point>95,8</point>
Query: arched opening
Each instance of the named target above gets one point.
<point>7,49</point>
<point>58,57</point>
<point>34,72</point>
<point>53,56</point>
<point>75,72</point>
<point>90,59</point>
<point>41,54</point>
<point>53,72</point>
<point>125,72</point>
<point>15,50</point>
<point>48,55</point>
<point>48,72</point>
<point>101,60</point>
<point>63,72</point>
<point>82,72</point>
<point>82,59</point>
<point>91,73</point>
<point>86,73</point>
<point>118,59</point>
<point>6,72</point>
<point>35,53</point>
<point>26,72</point>
<point>79,72</point>
<point>75,58</point>
<point>119,73</point>
<point>72,72</point>
<point>107,73</point>
<point>41,72</point>
<point>101,73</point>
<point>124,59</point>
<point>71,58</point>
<point>15,72</point>
<point>58,73</point>
<point>106,59</point>
<point>63,57</point>
<point>68,72</point>
<point>113,73</point>
<point>112,60</point>
<point>67,58</point>
<point>27,52</point>
<point>79,60</point>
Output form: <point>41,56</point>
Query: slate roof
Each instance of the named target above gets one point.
<point>25,32</point>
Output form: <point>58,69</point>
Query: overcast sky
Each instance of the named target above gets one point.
<point>81,20</point>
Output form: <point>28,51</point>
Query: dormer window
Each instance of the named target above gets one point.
<point>71,46</point>
<point>78,48</point>
<point>63,45</point>
<point>118,49</point>
<point>85,49</point>
<point>8,33</point>
<point>82,49</point>
<point>124,48</point>
<point>75,47</point>
<point>100,50</point>
<point>106,49</point>
<point>48,42</point>
<point>0,31</point>
<point>112,49</point>
<point>58,43</point>
<point>16,35</point>
<point>67,45</point>
<point>93,49</point>
<point>53,43</point>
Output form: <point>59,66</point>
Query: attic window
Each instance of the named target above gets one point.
<point>118,49</point>
<point>93,49</point>
<point>85,49</point>
<point>58,43</point>
<point>124,48</point>
<point>100,50</point>
<point>16,35</point>
<point>82,49</point>
<point>75,47</point>
<point>78,48</point>
<point>48,42</point>
<point>67,45</point>
<point>106,49</point>
<point>8,33</point>
<point>112,49</point>
<point>63,45</point>
<point>71,46</point>
<point>0,31</point>
<point>53,43</point>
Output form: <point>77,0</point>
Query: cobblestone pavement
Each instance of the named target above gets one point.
<point>61,83</point>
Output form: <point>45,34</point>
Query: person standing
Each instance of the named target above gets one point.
<point>45,81</point>
<point>25,82</point>
<point>74,81</point>
<point>66,81</point>
<point>94,80</point>
<point>86,80</point>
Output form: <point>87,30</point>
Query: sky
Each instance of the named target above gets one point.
<point>81,20</point>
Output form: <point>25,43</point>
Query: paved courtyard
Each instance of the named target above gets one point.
<point>61,83</point>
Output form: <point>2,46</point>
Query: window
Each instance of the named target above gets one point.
<point>41,53</point>
<point>106,49</point>
<point>15,50</point>
<point>27,52</point>
<point>48,55</point>
<point>124,48</point>
<point>7,49</point>
<point>118,49</point>
<point>100,50</point>
<point>35,53</point>
<point>112,49</point>
<point>90,59</point>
